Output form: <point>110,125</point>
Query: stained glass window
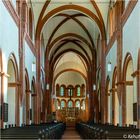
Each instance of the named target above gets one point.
<point>78,91</point>
<point>61,91</point>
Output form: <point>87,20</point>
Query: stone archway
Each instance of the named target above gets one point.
<point>128,94</point>
<point>12,92</point>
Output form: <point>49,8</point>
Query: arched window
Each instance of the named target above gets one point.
<point>70,103</point>
<point>78,91</point>
<point>61,91</point>
<point>70,91</point>
<point>62,104</point>
<point>77,104</point>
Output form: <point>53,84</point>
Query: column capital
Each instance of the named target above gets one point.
<point>4,74</point>
<point>28,91</point>
<point>120,83</point>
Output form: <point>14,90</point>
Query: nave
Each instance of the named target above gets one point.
<point>82,130</point>
<point>70,64</point>
<point>71,134</point>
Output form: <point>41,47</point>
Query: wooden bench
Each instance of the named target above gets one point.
<point>102,131</point>
<point>41,131</point>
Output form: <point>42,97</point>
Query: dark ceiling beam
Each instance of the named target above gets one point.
<point>66,42</point>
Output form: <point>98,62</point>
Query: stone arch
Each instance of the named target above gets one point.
<point>128,91</point>
<point>76,36</point>
<point>70,50</point>
<point>72,42</point>
<point>73,17</point>
<point>87,12</point>
<point>66,70</point>
<point>12,92</point>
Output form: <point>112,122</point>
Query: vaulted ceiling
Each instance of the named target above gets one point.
<point>70,34</point>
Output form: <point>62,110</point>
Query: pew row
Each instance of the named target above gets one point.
<point>102,131</point>
<point>41,131</point>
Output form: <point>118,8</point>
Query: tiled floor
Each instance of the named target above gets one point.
<point>71,133</point>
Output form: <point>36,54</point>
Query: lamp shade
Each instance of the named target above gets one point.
<point>109,67</point>
<point>94,87</point>
<point>47,86</point>
<point>33,67</point>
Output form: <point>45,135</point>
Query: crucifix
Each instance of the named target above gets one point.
<point>70,90</point>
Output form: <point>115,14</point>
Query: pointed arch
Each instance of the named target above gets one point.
<point>127,113</point>
<point>86,11</point>
<point>13,96</point>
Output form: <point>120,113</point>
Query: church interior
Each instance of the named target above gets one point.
<point>70,69</point>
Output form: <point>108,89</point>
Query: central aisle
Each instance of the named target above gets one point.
<point>71,133</point>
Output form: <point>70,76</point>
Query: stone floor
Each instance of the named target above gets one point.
<point>71,133</point>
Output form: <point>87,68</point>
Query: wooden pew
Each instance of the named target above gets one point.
<point>102,131</point>
<point>41,131</point>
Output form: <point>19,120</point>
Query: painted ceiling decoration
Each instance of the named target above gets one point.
<point>70,29</point>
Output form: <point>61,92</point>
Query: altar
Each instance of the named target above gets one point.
<point>70,115</point>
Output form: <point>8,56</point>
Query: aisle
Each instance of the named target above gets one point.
<point>71,133</point>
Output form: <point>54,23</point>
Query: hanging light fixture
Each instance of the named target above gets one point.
<point>109,67</point>
<point>94,87</point>
<point>47,86</point>
<point>33,67</point>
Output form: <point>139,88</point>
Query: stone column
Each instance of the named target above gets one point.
<point>103,79</point>
<point>38,82</point>
<point>119,49</point>
<point>22,28</point>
